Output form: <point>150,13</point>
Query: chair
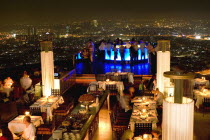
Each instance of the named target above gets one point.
<point>62,111</point>
<point>118,131</point>
<point>142,128</point>
<point>100,77</point>
<point>148,94</point>
<point>113,70</point>
<point>115,78</point>
<point>124,77</point>
<point>112,88</point>
<point>206,104</point>
<point>126,70</point>
<point>92,87</point>
<point>46,129</point>
<point>36,111</point>
<point>119,125</point>
<point>55,92</point>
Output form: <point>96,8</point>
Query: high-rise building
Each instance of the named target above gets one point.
<point>31,31</point>
<point>95,23</point>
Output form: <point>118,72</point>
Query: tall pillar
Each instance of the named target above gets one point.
<point>47,66</point>
<point>163,64</point>
<point>178,111</point>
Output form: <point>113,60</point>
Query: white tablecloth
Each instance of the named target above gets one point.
<point>17,126</point>
<point>199,81</point>
<point>102,84</point>
<point>143,100</point>
<point>48,105</point>
<point>129,75</point>
<point>150,106</point>
<point>199,96</point>
<point>120,85</point>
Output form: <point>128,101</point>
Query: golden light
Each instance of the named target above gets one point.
<point>47,67</point>
<point>1,133</point>
<point>56,83</point>
<point>27,113</point>
<point>204,78</point>
<point>147,137</point>
<point>144,110</point>
<point>107,80</point>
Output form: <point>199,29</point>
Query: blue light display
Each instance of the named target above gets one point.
<point>126,54</point>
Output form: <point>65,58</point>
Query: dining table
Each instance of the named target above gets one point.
<point>201,82</point>
<point>16,125</point>
<point>102,85</point>
<point>48,104</point>
<point>144,111</point>
<point>122,76</point>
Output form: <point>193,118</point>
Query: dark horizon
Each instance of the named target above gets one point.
<point>64,11</point>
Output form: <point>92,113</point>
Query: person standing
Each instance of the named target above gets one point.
<point>102,50</point>
<point>136,52</point>
<point>122,53</point>
<point>151,83</point>
<point>127,45</point>
<point>86,60</point>
<point>141,86</point>
<point>142,46</point>
<point>115,51</point>
<point>149,48</point>
<point>90,46</point>
<point>153,61</point>
<point>159,97</point>
<point>132,54</point>
<point>108,48</point>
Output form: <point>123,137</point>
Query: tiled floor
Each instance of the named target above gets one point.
<point>104,131</point>
<point>201,126</point>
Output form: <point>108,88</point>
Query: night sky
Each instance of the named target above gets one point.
<point>61,11</point>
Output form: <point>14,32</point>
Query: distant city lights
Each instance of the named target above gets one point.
<point>14,35</point>
<point>198,37</point>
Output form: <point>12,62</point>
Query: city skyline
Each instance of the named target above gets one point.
<point>48,11</point>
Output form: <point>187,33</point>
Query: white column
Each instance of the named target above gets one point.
<point>163,65</point>
<point>47,65</point>
<point>178,119</point>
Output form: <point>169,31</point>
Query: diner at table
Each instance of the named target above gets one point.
<point>17,125</point>
<point>29,130</point>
